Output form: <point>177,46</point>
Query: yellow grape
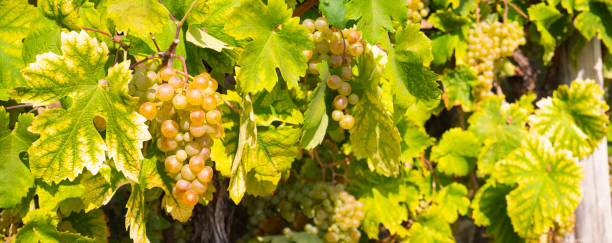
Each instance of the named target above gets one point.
<point>190,198</point>
<point>166,73</point>
<point>165,92</point>
<point>213,117</point>
<point>206,175</point>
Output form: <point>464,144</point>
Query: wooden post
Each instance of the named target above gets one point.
<point>594,213</point>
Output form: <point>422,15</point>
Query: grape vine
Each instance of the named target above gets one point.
<point>299,121</point>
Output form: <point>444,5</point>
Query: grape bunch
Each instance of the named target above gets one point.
<point>417,10</point>
<point>338,48</point>
<point>487,43</point>
<point>185,117</point>
<point>320,209</point>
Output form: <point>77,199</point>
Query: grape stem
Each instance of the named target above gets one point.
<point>18,106</point>
<point>304,7</point>
<point>154,42</point>
<point>427,163</point>
<point>324,166</point>
<point>230,105</point>
<point>515,8</point>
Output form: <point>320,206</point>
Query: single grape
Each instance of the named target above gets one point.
<point>337,47</point>
<point>347,73</point>
<point>172,165</point>
<point>192,148</point>
<point>205,153</point>
<point>175,82</point>
<point>166,144</point>
<point>334,82</point>
<point>345,89</point>
<point>340,102</point>
<point>190,198</point>
<point>309,24</point>
<point>198,187</point>
<point>165,92</point>
<point>169,128</point>
<point>166,73</point>
<point>179,101</point>
<point>182,186</point>
<point>307,54</point>
<point>197,117</point>
<point>194,96</point>
<point>181,155</point>
<point>213,117</point>
<point>321,24</point>
<point>337,115</point>
<point>206,175</point>
<point>336,61</point>
<point>356,49</point>
<point>187,174</point>
<point>312,68</point>
<point>209,103</point>
<point>196,163</point>
<point>347,122</point>
<point>198,131</point>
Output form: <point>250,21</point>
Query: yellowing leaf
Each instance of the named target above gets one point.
<point>202,39</point>
<point>548,189</point>
<point>138,17</point>
<point>456,153</point>
<point>69,141</point>
<point>16,18</point>
<point>41,226</point>
<point>15,175</point>
<point>277,42</point>
<point>573,118</point>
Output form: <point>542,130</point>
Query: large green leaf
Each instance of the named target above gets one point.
<point>138,17</point>
<point>137,209</point>
<point>92,225</point>
<point>375,17</point>
<point>456,28</point>
<point>100,188</point>
<point>458,84</point>
<point>596,20</point>
<point>276,105</point>
<point>374,135</point>
<point>573,118</point>
<point>17,178</point>
<point>315,124</point>
<point>69,141</point>
<point>501,126</point>
<point>548,189</point>
<point>277,42</point>
<point>451,201</point>
<point>41,226</point>
<point>489,209</point>
<point>456,152</point>
<point>544,16</point>
<point>430,227</point>
<point>334,11</point>
<point>406,70</point>
<point>16,18</point>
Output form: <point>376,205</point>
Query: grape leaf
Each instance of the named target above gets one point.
<point>69,141</point>
<point>378,209</point>
<point>596,20</point>
<point>202,39</point>
<point>334,11</point>
<point>456,152</point>
<point>247,136</point>
<point>64,12</point>
<point>223,149</point>
<point>137,209</point>
<point>317,120</point>
<point>374,135</point>
<point>386,200</point>
<point>16,19</point>
<point>375,17</point>
<point>217,16</point>
<point>573,118</point>
<point>50,196</point>
<point>544,16</point>
<point>430,227</point>
<point>456,28</point>
<point>178,8</point>
<point>276,105</point>
<point>137,17</point>
<point>100,188</point>
<point>548,189</point>
<point>182,213</point>
<point>41,226</point>
<point>92,225</point>
<point>451,201</point>
<point>15,176</point>
<point>406,69</point>
<point>278,42</point>
<point>458,84</point>
<point>489,209</point>
<point>414,139</point>
<point>501,126</point>
<point>45,39</point>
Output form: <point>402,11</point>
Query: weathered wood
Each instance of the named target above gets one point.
<point>594,213</point>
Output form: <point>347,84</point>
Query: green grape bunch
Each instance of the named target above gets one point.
<point>487,44</point>
<point>417,10</point>
<point>339,48</point>
<point>332,213</point>
<point>187,118</point>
